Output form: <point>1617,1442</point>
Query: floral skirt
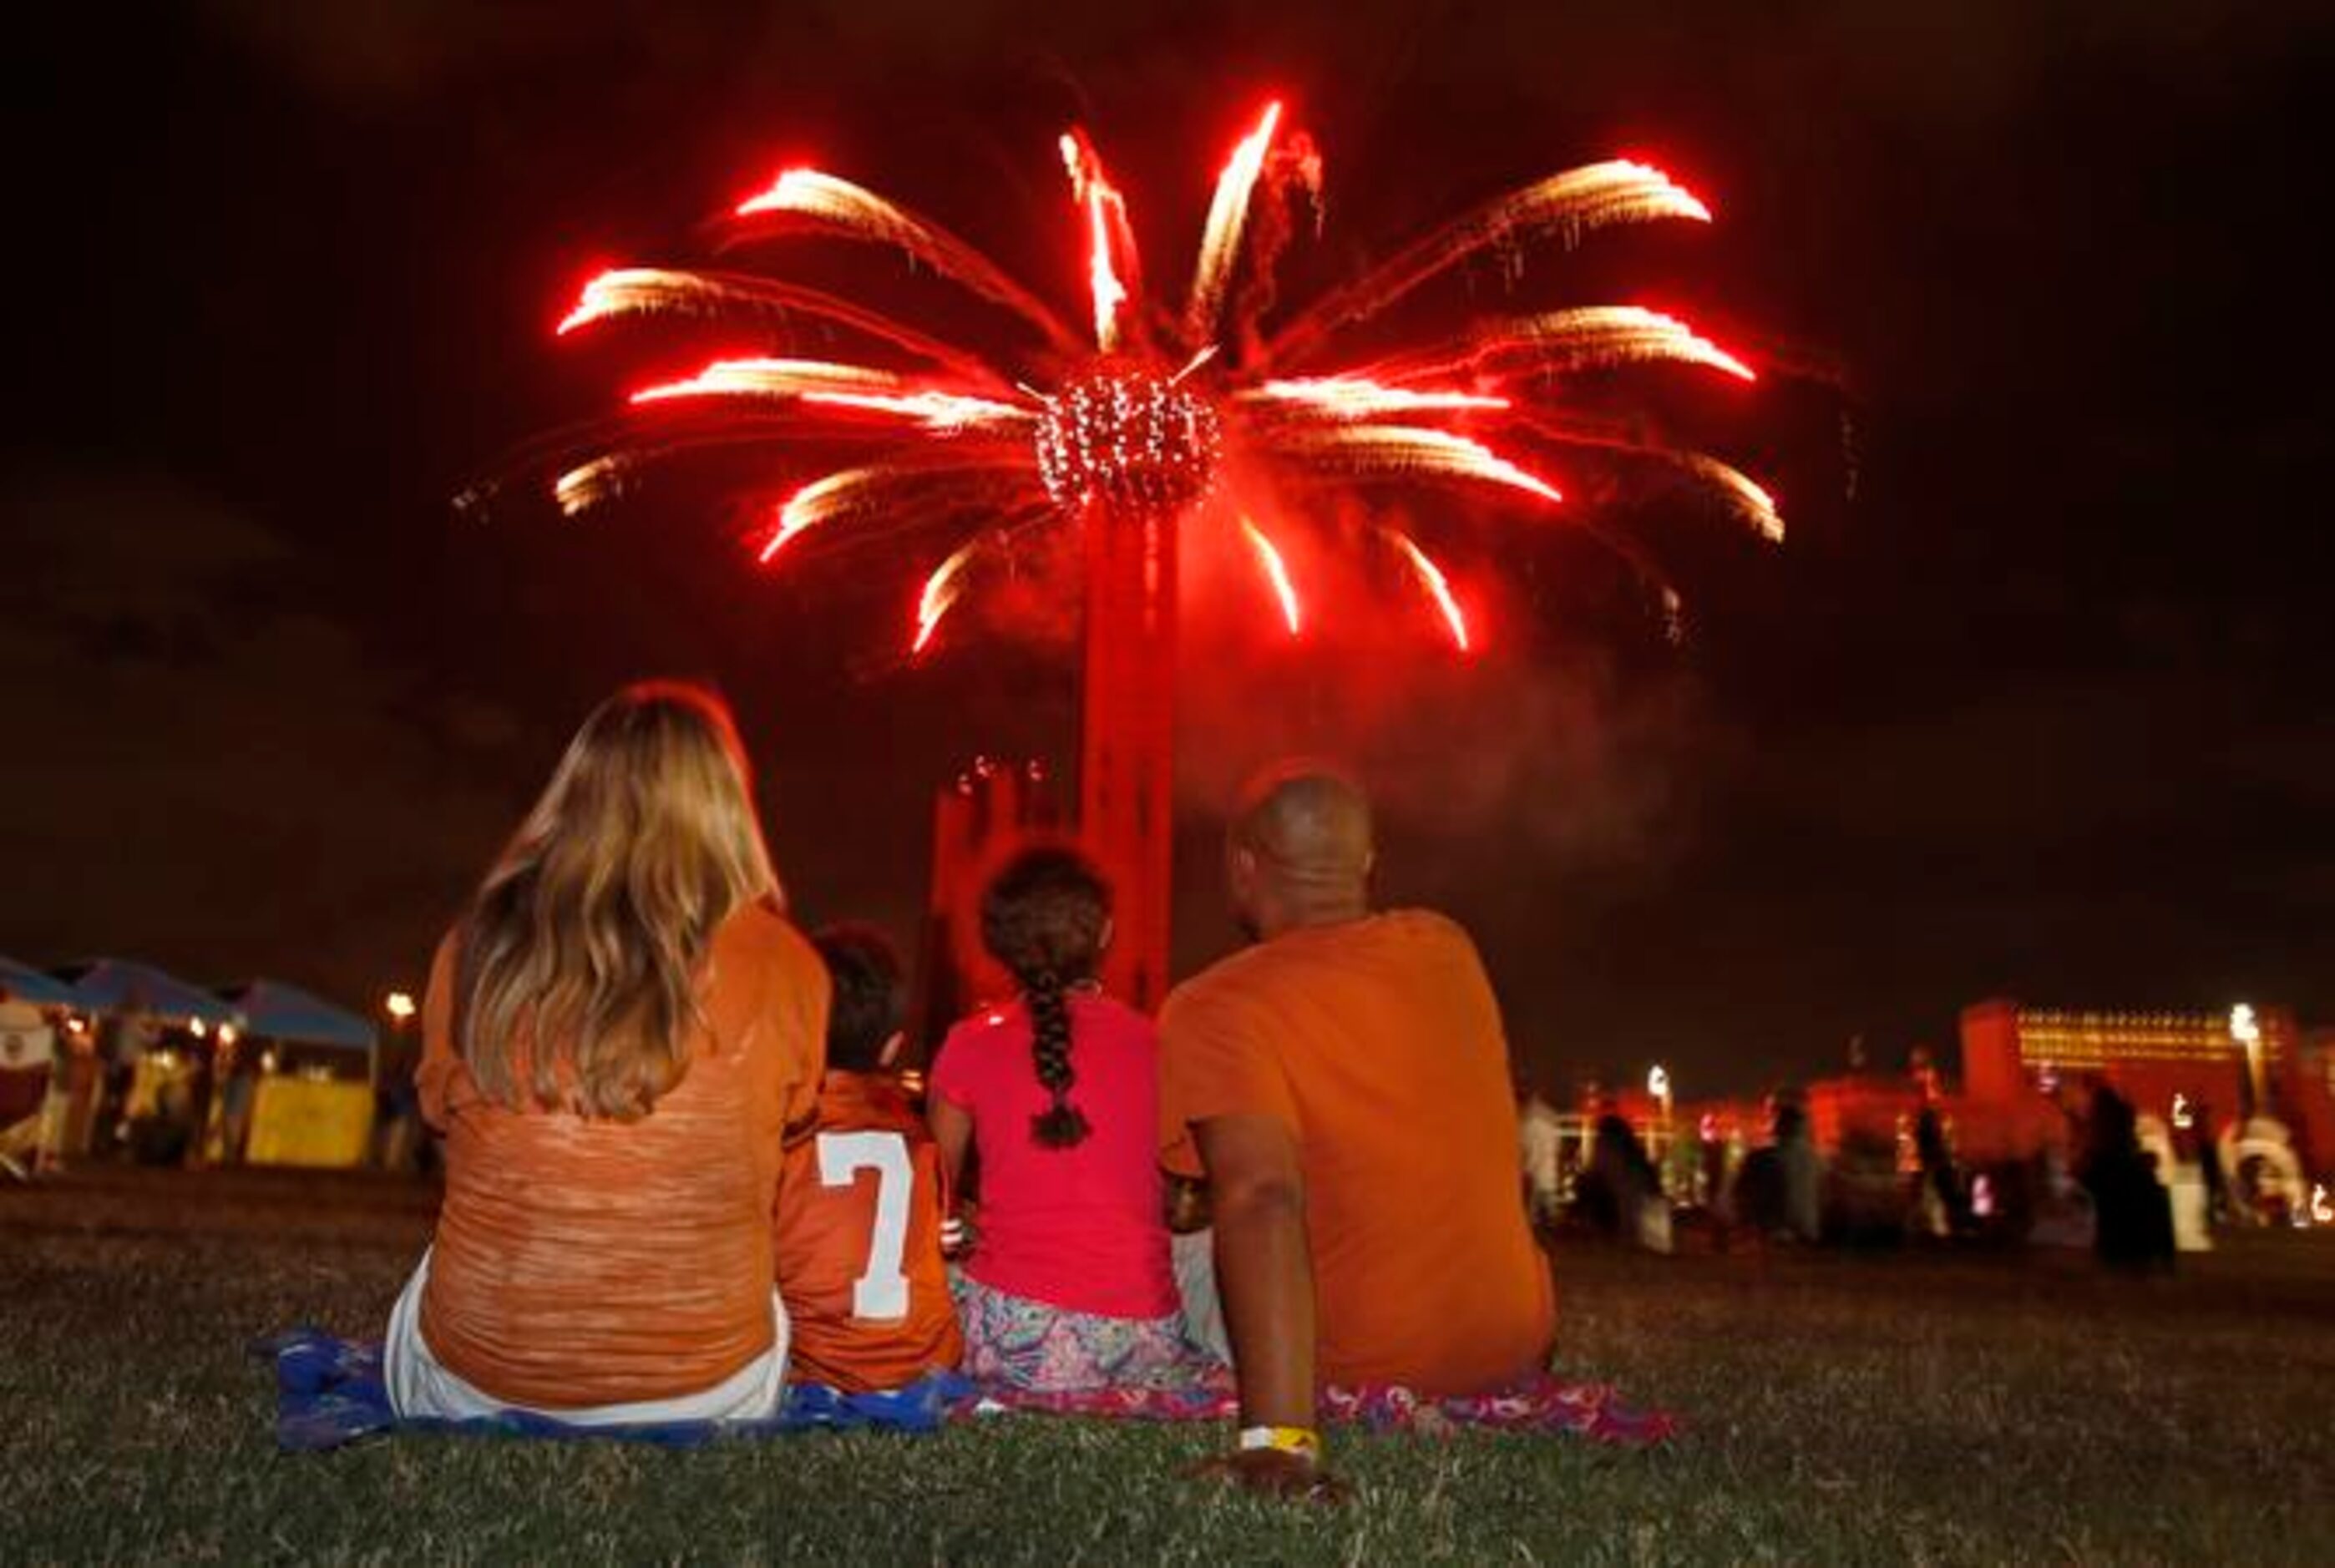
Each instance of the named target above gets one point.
<point>1018,1343</point>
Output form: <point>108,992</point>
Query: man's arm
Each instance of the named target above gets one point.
<point>1263,1271</point>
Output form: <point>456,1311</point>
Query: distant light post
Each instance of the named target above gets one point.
<point>2246,1030</point>
<point>1658,1084</point>
<point>399,1005</point>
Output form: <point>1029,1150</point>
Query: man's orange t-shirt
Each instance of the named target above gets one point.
<point>1378,1043</point>
<point>589,1261</point>
<point>859,1242</point>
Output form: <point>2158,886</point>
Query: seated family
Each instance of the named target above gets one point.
<point>680,1173</point>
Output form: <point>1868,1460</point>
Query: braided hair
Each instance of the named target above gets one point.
<point>1043,917</point>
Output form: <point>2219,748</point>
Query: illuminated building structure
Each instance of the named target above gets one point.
<point>2013,1053</point>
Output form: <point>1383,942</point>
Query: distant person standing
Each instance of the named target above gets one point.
<point>1712,1174</point>
<point>2134,1216</point>
<point>2209,1164</point>
<point>1938,1177</point>
<point>1802,1172</point>
<point>1540,1134</point>
<point>1345,1087</point>
<point>1620,1179</point>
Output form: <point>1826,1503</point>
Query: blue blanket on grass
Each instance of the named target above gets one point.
<point>329,1392</point>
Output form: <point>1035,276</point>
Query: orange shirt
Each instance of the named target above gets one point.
<point>859,1242</point>
<point>1378,1043</point>
<point>589,1261</point>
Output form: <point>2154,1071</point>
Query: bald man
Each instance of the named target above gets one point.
<point>1343,1085</point>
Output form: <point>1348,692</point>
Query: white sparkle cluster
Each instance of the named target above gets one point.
<point>1129,440</point>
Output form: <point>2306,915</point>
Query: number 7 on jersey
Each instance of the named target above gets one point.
<point>880,1294</point>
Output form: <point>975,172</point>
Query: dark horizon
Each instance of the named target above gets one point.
<point>2032,704</point>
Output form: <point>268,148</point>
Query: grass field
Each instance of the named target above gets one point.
<point>1902,1409</point>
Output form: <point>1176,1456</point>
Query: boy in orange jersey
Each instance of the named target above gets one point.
<point>857,1237</point>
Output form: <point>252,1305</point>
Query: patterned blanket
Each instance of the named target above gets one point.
<point>329,1393</point>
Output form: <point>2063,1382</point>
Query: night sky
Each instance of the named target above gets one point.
<point>2034,703</point>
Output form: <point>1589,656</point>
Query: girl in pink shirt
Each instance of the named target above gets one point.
<point>1069,1286</point>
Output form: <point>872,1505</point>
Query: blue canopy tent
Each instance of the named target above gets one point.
<point>22,983</point>
<point>118,985</point>
<point>272,1010</point>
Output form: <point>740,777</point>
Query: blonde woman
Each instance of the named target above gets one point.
<point>617,1034</point>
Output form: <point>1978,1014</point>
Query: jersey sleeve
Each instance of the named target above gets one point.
<point>1216,1058</point>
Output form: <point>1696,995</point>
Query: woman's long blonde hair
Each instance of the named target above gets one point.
<point>581,958</point>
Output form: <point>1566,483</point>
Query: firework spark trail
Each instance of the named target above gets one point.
<point>1607,335</point>
<point>940,595</point>
<point>1617,191</point>
<point>1227,217</point>
<point>1438,587</point>
<point>771,378</point>
<point>1752,499</point>
<point>1346,397</point>
<point>1276,573</point>
<point>841,208</point>
<point>1745,496</point>
<point>1409,451</point>
<point>890,486</point>
<point>660,291</point>
<point>828,385</point>
<point>940,412</point>
<point>647,290</point>
<point>588,484</point>
<point>818,501</point>
<point>1110,241</point>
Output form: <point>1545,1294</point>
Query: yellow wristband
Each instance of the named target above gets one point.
<point>1303,1441</point>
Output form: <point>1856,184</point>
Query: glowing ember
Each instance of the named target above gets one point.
<point>1130,440</point>
<point>1276,573</point>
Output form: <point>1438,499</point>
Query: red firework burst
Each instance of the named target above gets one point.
<point>1164,402</point>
